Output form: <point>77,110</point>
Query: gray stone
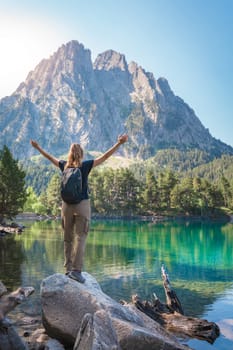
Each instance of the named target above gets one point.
<point>53,344</point>
<point>69,306</point>
<point>97,332</point>
<point>9,338</point>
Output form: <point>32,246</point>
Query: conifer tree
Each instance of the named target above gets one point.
<point>150,193</point>
<point>226,191</point>
<point>12,185</point>
<point>53,195</point>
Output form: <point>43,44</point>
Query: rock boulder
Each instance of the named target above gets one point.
<point>83,316</point>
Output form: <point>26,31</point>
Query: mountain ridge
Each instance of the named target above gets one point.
<point>68,98</point>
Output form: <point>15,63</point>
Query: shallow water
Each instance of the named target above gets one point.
<point>126,257</point>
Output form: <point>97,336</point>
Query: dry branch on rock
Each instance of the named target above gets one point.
<point>9,338</point>
<point>10,301</point>
<point>12,228</point>
<point>171,315</point>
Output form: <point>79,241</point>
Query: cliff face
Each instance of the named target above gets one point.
<point>67,98</point>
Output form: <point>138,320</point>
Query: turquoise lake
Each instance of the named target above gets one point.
<point>126,257</point>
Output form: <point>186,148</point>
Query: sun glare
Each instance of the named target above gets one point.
<point>24,44</point>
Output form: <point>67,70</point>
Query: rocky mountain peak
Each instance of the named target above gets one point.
<point>67,98</point>
<point>65,66</point>
<point>164,88</point>
<point>109,60</point>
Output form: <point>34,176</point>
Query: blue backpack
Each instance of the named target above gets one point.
<point>71,185</point>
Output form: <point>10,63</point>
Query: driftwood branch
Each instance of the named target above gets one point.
<point>12,228</point>
<point>173,301</point>
<point>10,301</point>
<point>171,315</point>
<point>9,338</point>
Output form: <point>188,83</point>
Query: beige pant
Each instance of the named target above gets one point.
<point>75,224</point>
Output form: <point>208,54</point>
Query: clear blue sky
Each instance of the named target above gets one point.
<point>189,42</point>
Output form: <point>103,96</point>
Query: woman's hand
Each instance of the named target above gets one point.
<point>52,159</point>
<point>34,144</point>
<point>122,138</point>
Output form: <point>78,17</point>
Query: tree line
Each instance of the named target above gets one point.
<point>119,192</point>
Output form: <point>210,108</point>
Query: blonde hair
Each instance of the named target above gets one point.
<point>75,156</point>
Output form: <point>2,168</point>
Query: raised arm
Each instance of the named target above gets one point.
<point>45,154</point>
<point>121,139</point>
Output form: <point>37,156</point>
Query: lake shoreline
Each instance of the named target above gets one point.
<point>147,218</point>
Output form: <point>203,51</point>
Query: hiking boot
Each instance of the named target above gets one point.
<point>77,276</point>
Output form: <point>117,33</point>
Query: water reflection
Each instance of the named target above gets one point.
<point>221,313</point>
<point>11,257</point>
<point>126,258</point>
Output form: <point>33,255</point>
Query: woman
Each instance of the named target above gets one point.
<point>77,216</point>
